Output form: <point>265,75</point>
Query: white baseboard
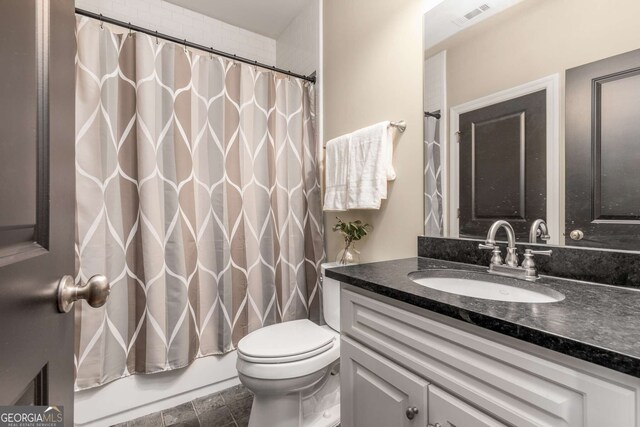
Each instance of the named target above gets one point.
<point>139,395</point>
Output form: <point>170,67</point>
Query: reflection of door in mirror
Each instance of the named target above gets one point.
<point>510,49</point>
<point>603,153</point>
<point>502,165</point>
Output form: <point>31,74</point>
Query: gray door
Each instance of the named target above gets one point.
<point>603,153</point>
<point>503,165</point>
<point>37,48</point>
<point>378,393</point>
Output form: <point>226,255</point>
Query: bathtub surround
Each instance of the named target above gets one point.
<point>615,268</point>
<point>297,48</point>
<point>186,199</point>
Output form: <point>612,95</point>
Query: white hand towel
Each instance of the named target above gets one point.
<point>370,166</point>
<point>336,163</point>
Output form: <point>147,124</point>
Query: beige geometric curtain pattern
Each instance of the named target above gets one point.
<point>197,196</point>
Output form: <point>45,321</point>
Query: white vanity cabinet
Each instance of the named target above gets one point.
<point>404,366</point>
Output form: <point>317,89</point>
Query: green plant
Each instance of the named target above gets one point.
<point>351,231</point>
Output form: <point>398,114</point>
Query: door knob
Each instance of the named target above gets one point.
<point>95,292</point>
<point>576,235</point>
<point>411,412</point>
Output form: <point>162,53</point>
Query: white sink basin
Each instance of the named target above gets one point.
<point>485,286</point>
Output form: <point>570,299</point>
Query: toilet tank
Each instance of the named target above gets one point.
<point>330,298</point>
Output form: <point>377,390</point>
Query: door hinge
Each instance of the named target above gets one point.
<point>458,212</point>
<point>458,136</point>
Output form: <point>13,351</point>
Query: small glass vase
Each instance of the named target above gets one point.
<point>348,255</point>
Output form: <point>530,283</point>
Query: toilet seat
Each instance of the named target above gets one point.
<point>287,350</point>
<point>285,342</point>
<point>286,359</point>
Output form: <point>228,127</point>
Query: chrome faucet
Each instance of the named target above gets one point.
<point>490,243</point>
<point>539,229</point>
<point>527,270</point>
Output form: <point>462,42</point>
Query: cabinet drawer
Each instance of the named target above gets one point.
<point>511,385</point>
<point>448,411</point>
<point>376,392</point>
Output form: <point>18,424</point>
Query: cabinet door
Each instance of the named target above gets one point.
<point>448,411</point>
<point>377,392</point>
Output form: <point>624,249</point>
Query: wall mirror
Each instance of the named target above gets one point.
<point>532,112</point>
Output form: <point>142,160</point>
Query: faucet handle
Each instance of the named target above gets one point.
<point>532,252</point>
<point>496,258</point>
<point>529,264</point>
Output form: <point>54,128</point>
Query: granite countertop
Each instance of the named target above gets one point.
<point>597,323</point>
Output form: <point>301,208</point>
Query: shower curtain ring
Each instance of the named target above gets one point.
<point>185,46</point>
<point>101,23</point>
<point>130,32</point>
<point>157,41</point>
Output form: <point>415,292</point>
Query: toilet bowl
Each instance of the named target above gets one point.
<point>292,368</point>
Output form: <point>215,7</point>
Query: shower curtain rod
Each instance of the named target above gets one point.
<point>186,43</point>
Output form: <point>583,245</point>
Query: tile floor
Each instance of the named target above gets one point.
<point>228,408</point>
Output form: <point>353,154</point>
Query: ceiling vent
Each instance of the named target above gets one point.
<point>462,21</point>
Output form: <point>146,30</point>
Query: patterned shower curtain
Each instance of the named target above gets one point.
<point>433,221</point>
<point>197,196</point>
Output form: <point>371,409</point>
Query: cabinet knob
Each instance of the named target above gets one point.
<point>411,412</point>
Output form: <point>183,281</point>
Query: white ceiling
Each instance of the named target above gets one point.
<point>448,17</point>
<point>267,17</point>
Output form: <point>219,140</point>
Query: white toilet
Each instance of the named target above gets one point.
<point>293,368</point>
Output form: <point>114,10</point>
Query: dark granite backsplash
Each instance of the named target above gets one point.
<point>592,265</point>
